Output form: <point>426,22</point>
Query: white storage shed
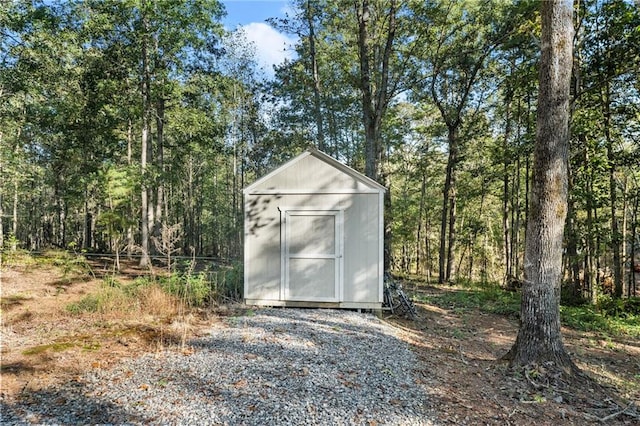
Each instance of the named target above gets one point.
<point>313,236</point>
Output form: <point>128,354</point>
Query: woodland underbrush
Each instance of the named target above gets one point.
<point>165,294</point>
<point>609,317</point>
<point>134,295</point>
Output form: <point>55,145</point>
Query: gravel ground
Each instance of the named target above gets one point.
<point>279,366</point>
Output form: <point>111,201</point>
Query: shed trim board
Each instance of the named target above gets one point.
<point>312,191</point>
<point>314,255</point>
<point>381,248</point>
<point>307,304</point>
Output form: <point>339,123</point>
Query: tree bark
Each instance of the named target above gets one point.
<point>160,189</point>
<point>448,203</point>
<point>613,196</point>
<point>145,148</point>
<point>506,162</point>
<point>375,97</point>
<point>317,91</point>
<point>539,338</point>
<point>1,193</point>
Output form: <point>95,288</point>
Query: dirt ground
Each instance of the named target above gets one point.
<point>458,351</point>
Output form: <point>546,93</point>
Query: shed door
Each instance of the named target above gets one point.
<point>312,255</point>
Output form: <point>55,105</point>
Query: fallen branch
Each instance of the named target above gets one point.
<point>462,356</point>
<point>616,414</point>
<point>534,383</point>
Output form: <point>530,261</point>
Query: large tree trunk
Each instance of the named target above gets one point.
<point>539,339</point>
<point>375,95</point>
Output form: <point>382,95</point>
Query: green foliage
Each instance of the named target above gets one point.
<point>54,347</point>
<point>228,283</point>
<point>610,316</point>
<point>193,289</point>
<point>10,258</point>
<point>588,318</point>
<point>72,265</point>
<point>88,304</point>
<point>620,308</point>
<point>198,289</point>
<point>487,297</point>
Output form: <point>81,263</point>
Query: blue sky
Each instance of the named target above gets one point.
<point>242,12</point>
<point>272,47</point>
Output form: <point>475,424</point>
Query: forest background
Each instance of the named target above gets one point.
<point>132,126</point>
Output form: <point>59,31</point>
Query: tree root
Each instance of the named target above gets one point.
<point>618,413</point>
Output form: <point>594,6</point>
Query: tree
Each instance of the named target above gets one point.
<point>539,339</point>
<point>461,40</point>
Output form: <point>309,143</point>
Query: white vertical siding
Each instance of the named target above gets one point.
<point>314,183</point>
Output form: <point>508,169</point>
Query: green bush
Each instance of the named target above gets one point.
<point>622,308</point>
<point>227,283</point>
<point>590,318</point>
<point>88,304</point>
<point>193,289</point>
<point>71,264</point>
<point>608,316</point>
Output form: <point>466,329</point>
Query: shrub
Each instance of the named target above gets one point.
<point>622,308</point>
<point>228,283</point>
<point>87,304</point>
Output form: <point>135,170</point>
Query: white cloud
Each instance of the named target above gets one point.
<point>272,47</point>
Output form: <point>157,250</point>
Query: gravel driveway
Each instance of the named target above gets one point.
<point>277,367</point>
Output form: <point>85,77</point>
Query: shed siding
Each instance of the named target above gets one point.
<point>361,242</point>
<point>311,174</point>
<point>361,249</point>
<point>262,248</point>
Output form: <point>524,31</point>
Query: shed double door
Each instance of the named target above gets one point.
<point>312,255</point>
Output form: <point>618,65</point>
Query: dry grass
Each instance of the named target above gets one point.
<point>155,301</point>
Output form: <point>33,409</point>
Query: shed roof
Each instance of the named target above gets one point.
<point>367,182</point>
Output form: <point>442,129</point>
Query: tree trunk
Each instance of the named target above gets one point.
<point>539,339</point>
<point>1,214</point>
<point>14,222</point>
<point>160,189</point>
<point>631,289</point>
<point>375,95</point>
<point>506,162</point>
<point>451,234</point>
<point>130,237</point>
<point>623,254</point>
<point>366,90</point>
<point>317,92</point>
<point>613,197</point>
<point>448,203</point>
<point>145,148</point>
<point>1,195</point>
<point>419,252</point>
<point>88,222</point>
